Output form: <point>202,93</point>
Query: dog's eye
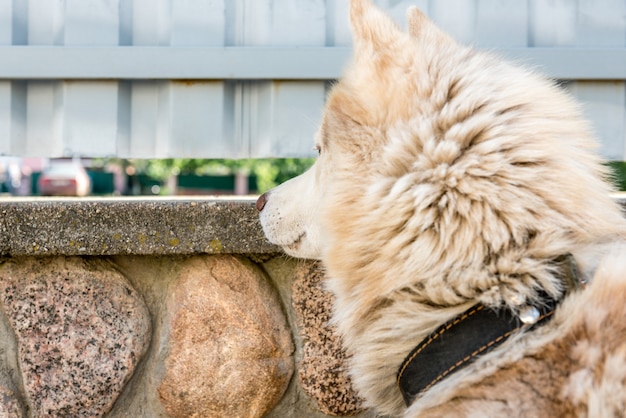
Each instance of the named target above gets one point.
<point>318,149</point>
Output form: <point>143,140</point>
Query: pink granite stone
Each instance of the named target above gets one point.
<point>10,406</point>
<point>81,330</point>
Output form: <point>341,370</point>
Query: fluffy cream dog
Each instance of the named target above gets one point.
<point>451,182</point>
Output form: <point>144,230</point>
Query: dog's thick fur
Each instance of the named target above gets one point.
<point>447,177</point>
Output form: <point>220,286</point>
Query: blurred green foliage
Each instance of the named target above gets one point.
<point>269,172</point>
<point>618,174</point>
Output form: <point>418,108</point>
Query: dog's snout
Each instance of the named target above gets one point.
<point>261,201</point>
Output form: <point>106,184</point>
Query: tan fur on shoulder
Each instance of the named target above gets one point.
<point>449,177</point>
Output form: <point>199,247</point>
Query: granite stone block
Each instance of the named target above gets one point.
<point>81,330</point>
<point>10,405</point>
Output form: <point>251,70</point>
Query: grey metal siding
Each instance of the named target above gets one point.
<point>247,78</point>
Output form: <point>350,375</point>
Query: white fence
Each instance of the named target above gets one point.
<point>247,78</point>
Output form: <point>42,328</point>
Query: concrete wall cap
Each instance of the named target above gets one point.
<point>124,225</point>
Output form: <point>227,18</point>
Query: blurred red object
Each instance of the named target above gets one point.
<point>64,179</point>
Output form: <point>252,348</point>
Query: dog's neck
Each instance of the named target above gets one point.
<point>475,332</point>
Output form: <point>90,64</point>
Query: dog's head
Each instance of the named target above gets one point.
<point>442,168</point>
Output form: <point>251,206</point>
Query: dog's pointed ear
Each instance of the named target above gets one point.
<point>421,27</point>
<point>416,20</point>
<point>370,25</point>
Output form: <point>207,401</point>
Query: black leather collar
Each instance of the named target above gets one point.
<point>475,332</point>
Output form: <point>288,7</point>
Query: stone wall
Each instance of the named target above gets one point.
<point>160,308</point>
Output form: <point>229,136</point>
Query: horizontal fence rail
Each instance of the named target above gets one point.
<point>262,63</point>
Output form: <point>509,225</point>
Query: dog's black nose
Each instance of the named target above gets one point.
<point>261,201</point>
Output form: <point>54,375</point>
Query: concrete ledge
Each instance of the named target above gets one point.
<point>117,226</point>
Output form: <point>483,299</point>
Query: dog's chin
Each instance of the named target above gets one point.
<point>303,248</point>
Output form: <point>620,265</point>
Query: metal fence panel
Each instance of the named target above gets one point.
<point>284,117</point>
<point>582,24</point>
<point>89,117</point>
<point>6,111</point>
<point>247,78</point>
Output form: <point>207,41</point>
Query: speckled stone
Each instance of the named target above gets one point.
<point>10,406</point>
<point>322,370</point>
<point>230,349</point>
<point>11,402</point>
<point>81,330</point>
